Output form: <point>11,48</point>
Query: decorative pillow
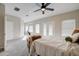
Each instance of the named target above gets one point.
<point>77,41</point>
<point>36,37</point>
<point>68,39</point>
<point>75,31</point>
<point>75,37</point>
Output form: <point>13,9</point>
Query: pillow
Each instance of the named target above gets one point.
<point>36,37</point>
<point>68,39</point>
<point>77,41</point>
<point>75,37</point>
<point>75,31</point>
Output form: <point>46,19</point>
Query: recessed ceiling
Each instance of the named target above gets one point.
<point>26,10</point>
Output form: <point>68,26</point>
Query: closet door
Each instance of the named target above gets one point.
<point>10,30</point>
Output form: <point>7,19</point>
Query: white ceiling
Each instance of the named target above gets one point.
<point>28,8</point>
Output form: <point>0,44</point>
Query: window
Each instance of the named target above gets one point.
<point>26,28</point>
<point>31,28</point>
<point>37,28</point>
<point>50,29</point>
<point>67,27</point>
<point>44,29</point>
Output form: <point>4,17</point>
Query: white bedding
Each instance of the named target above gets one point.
<point>53,47</point>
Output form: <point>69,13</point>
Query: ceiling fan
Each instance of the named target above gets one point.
<point>43,7</point>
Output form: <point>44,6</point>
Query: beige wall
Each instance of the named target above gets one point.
<point>57,19</point>
<point>2,31</point>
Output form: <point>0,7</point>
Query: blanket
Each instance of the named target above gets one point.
<point>54,48</point>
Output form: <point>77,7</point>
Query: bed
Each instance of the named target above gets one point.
<point>54,46</point>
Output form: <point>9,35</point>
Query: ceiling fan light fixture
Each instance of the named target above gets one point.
<point>43,9</point>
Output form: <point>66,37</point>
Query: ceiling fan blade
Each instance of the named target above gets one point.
<point>37,10</point>
<point>43,12</point>
<point>47,4</point>
<point>38,4</point>
<point>50,9</point>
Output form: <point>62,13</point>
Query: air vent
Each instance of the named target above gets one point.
<point>16,9</point>
<point>27,15</point>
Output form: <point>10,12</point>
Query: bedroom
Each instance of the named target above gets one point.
<point>21,18</point>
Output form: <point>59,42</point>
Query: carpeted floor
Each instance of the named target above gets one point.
<point>16,47</point>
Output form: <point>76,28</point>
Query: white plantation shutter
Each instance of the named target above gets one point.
<point>37,28</point>
<point>67,27</point>
<point>44,29</point>
<point>50,29</point>
<point>26,28</point>
<point>31,28</point>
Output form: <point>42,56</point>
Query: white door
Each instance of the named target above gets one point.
<point>9,30</point>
